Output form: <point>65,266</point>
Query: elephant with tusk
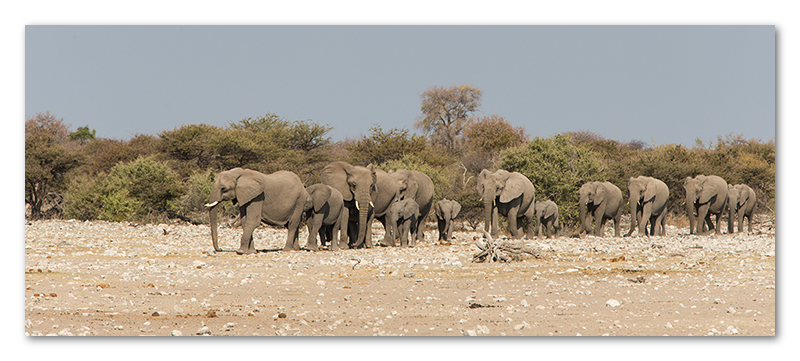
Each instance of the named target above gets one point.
<point>277,199</point>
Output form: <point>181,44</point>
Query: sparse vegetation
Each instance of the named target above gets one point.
<point>169,175</point>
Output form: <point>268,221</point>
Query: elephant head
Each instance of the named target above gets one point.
<point>357,185</point>
<point>237,185</point>
<point>590,193</point>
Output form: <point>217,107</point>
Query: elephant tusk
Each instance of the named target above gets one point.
<point>357,207</point>
<point>209,205</point>
<point>371,205</point>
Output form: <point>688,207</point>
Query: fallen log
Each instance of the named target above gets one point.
<point>501,250</point>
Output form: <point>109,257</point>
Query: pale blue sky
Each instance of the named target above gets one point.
<point>658,84</point>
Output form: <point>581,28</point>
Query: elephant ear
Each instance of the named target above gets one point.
<point>335,175</point>
<point>249,185</point>
<point>371,169</point>
<point>319,196</point>
<point>599,193</point>
<point>550,210</point>
<point>437,209</point>
<point>709,191</point>
<point>744,195</point>
<point>456,209</point>
<point>481,179</point>
<point>412,186</point>
<point>649,190</point>
<point>513,188</point>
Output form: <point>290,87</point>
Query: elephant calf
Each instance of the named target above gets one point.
<point>402,219</point>
<point>446,212</point>
<point>325,215</point>
<point>547,213</point>
<point>741,204</point>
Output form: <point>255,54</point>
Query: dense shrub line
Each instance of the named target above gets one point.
<point>152,178</point>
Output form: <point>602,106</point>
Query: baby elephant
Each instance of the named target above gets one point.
<point>446,212</point>
<point>401,218</point>
<point>325,215</point>
<point>547,213</point>
<point>741,204</point>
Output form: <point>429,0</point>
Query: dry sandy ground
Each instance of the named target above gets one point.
<point>109,279</point>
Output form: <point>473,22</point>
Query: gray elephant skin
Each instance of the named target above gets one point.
<point>648,200</point>
<point>600,201</point>
<point>278,199</point>
<point>419,187</point>
<point>741,205</point>
<point>446,212</point>
<point>367,192</point>
<point>705,195</point>
<point>402,218</point>
<point>357,184</point>
<point>326,216</point>
<point>547,215</point>
<point>507,194</point>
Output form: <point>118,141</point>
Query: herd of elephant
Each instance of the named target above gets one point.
<point>342,208</point>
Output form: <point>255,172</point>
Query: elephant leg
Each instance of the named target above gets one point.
<point>442,226</point>
<point>538,227</point>
<point>749,223</point>
<point>314,228</point>
<point>702,218</point>
<point>661,221</point>
<point>741,220</point>
<point>292,242</point>
<point>249,225</point>
<point>617,222</point>
<point>599,219</point>
<point>646,218</point>
<point>530,224</point>
<point>368,239</point>
<point>718,229</point>
<point>390,232</point>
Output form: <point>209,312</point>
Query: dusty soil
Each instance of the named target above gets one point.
<point>101,278</point>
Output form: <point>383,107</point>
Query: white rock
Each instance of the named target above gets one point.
<point>612,303</point>
<point>176,333</point>
<point>204,331</point>
<point>470,333</point>
<point>483,330</point>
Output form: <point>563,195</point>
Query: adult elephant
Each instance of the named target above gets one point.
<point>741,204</point>
<point>278,199</point>
<point>648,200</point>
<point>419,187</point>
<point>367,192</point>
<point>600,201</point>
<point>326,217</point>
<point>547,214</point>
<point>402,218</point>
<point>705,195</point>
<point>446,212</point>
<point>507,194</point>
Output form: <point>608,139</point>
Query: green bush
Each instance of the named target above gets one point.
<point>557,168</point>
<point>141,190</point>
<point>100,197</point>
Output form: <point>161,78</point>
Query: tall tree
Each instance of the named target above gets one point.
<point>446,111</point>
<point>47,159</point>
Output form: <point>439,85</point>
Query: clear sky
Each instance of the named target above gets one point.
<point>658,84</point>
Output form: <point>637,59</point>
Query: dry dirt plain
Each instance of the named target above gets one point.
<point>121,279</point>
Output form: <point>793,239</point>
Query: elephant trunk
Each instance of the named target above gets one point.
<point>634,214</point>
<point>585,226</point>
<point>362,203</point>
<point>690,214</point>
<point>731,215</point>
<point>213,203</point>
<point>487,211</point>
